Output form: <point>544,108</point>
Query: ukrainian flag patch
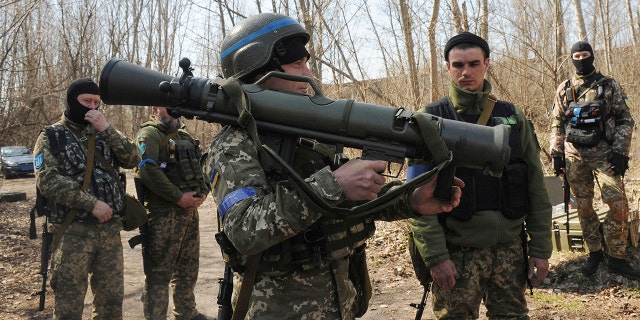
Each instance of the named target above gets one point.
<point>214,178</point>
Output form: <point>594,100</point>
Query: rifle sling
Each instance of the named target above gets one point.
<point>85,186</point>
<point>248,280</point>
<point>488,109</point>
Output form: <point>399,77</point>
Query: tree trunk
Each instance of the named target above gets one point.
<point>582,31</point>
<point>434,74</point>
<point>409,47</point>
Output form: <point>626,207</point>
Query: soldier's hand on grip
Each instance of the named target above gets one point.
<point>422,200</point>
<point>361,179</point>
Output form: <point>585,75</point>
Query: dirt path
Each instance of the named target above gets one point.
<point>566,294</point>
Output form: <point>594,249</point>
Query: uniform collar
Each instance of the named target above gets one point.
<point>469,102</point>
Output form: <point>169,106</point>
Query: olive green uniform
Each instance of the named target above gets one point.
<point>486,249</point>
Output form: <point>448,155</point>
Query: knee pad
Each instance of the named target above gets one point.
<point>618,210</point>
<point>585,207</point>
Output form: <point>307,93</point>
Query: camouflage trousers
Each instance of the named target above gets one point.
<point>582,176</point>
<point>495,275</point>
<point>296,295</point>
<point>172,254</point>
<point>89,253</point>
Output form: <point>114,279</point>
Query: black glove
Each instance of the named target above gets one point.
<point>558,165</point>
<point>619,164</point>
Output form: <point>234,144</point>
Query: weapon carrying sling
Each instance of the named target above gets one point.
<point>438,149</point>
<point>91,151</point>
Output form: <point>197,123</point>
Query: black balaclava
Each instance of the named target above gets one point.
<point>75,110</point>
<point>584,66</point>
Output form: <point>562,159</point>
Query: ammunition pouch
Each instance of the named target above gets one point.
<point>359,276</point>
<point>183,166</point>
<point>515,187</point>
<point>586,123</point>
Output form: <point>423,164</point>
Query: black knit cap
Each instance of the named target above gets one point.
<point>581,46</point>
<point>466,37</point>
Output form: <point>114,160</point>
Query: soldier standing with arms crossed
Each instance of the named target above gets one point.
<point>173,188</point>
<point>590,139</point>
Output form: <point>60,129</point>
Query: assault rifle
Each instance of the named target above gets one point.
<point>381,132</point>
<point>42,208</point>
<point>225,290</point>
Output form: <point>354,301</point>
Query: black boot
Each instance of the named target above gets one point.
<point>623,268</point>
<point>592,263</point>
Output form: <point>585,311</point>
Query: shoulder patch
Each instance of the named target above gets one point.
<point>214,178</point>
<point>38,159</point>
<point>141,145</point>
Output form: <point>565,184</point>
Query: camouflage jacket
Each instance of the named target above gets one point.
<point>61,181</point>
<point>276,212</point>
<point>618,123</point>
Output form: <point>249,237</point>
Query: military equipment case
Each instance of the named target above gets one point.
<point>561,239</point>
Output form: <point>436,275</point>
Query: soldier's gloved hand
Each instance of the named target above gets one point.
<point>619,163</point>
<point>558,165</point>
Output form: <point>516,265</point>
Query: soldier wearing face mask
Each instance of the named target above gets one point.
<point>590,142</point>
<point>86,223</point>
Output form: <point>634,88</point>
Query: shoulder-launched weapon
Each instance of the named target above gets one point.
<point>381,132</point>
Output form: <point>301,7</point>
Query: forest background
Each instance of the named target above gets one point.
<point>378,51</point>
<point>383,52</point>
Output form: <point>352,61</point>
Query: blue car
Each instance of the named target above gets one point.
<point>16,161</point>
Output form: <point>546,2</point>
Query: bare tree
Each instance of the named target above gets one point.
<point>433,75</point>
<point>409,47</point>
<point>484,19</point>
<point>458,17</point>
<point>582,31</point>
<point>632,28</point>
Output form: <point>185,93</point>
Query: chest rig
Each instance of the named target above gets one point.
<point>586,112</point>
<point>329,238</point>
<point>66,147</point>
<point>182,160</point>
<point>508,194</point>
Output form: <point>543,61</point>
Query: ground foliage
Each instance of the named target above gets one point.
<point>567,294</point>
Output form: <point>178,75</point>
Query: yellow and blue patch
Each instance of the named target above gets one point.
<point>214,178</point>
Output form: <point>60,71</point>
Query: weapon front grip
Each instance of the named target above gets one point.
<point>444,184</point>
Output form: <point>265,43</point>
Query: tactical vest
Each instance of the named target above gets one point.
<point>183,166</point>
<point>72,162</point>
<point>508,194</point>
<point>327,239</point>
<point>181,156</point>
<point>586,119</point>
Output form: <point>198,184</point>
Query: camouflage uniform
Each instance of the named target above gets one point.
<point>486,249</point>
<point>583,164</point>
<point>87,247</point>
<point>273,217</point>
<point>172,240</point>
